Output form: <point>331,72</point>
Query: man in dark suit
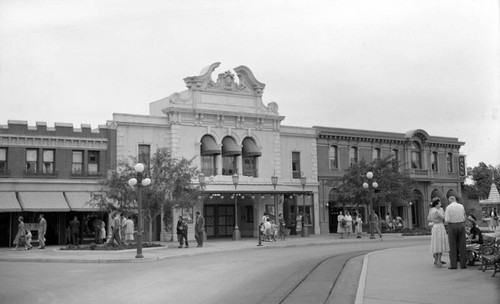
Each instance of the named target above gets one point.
<point>75,230</point>
<point>199,229</point>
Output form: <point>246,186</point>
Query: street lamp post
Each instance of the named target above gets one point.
<point>374,186</point>
<point>140,181</point>
<point>303,181</point>
<point>274,181</point>
<point>236,231</point>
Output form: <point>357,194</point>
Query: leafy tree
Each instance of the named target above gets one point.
<point>482,177</point>
<point>170,187</point>
<point>392,185</point>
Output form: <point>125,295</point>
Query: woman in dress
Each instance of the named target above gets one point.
<point>348,223</point>
<point>359,225</point>
<point>494,219</point>
<point>439,238</point>
<point>340,226</point>
<point>129,231</point>
<point>20,235</point>
<point>282,227</point>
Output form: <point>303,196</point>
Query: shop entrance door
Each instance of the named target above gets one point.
<point>332,220</point>
<point>219,220</point>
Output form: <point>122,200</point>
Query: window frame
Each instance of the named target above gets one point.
<point>93,162</point>
<point>333,158</point>
<point>449,162</point>
<point>208,164</point>
<point>353,155</point>
<point>4,161</point>
<point>296,173</point>
<point>144,156</point>
<point>416,155</point>
<point>73,163</point>
<point>34,162</point>
<point>434,161</point>
<point>51,169</point>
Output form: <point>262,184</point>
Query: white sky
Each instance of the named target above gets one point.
<point>385,65</point>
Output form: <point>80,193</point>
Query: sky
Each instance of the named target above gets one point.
<point>383,65</point>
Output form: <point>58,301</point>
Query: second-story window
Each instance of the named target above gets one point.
<point>208,152</point>
<point>333,155</point>
<point>93,163</point>
<point>434,161</point>
<point>353,156</point>
<point>250,155</point>
<point>230,152</point>
<point>449,162</point>
<point>295,164</point>
<point>31,161</point>
<point>144,156</point>
<point>416,160</point>
<point>48,162</point>
<point>77,163</point>
<point>3,160</point>
<point>376,153</point>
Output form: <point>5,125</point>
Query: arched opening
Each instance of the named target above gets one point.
<point>251,153</point>
<point>230,151</point>
<point>209,150</point>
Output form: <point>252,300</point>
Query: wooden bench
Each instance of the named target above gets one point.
<point>490,256</point>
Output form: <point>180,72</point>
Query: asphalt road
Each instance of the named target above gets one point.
<point>261,275</point>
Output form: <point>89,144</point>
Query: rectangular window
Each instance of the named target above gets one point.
<point>208,165</point>
<point>376,153</point>
<point>434,161</point>
<point>93,163</point>
<point>77,163</point>
<point>229,165</point>
<point>144,156</point>
<point>353,156</point>
<point>333,156</point>
<point>31,161</point>
<point>3,160</point>
<point>295,164</point>
<point>48,161</point>
<point>415,160</point>
<point>449,162</point>
<point>250,166</point>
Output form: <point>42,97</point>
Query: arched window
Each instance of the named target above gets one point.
<point>434,161</point>
<point>250,156</point>
<point>209,151</point>
<point>230,151</point>
<point>449,162</point>
<point>353,156</point>
<point>333,155</point>
<point>416,159</point>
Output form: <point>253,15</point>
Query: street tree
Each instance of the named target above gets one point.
<point>392,185</point>
<point>171,186</point>
<point>482,176</point>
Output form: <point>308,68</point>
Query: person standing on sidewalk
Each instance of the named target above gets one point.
<point>439,241</point>
<point>282,227</point>
<point>341,224</point>
<point>455,217</point>
<point>20,238</point>
<point>75,230</point>
<point>182,231</point>
<point>199,229</point>
<point>375,224</point>
<point>42,230</point>
<point>115,228</point>
<point>348,223</point>
<point>128,230</point>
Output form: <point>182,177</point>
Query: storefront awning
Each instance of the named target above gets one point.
<point>209,146</point>
<point>9,203</point>
<point>250,148</point>
<point>43,202</point>
<point>255,189</point>
<point>80,201</point>
<point>229,147</point>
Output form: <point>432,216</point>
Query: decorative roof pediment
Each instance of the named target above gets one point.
<point>247,83</point>
<point>419,133</point>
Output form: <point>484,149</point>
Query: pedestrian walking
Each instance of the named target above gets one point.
<point>128,230</point>
<point>20,239</point>
<point>199,229</point>
<point>42,230</point>
<point>29,237</point>
<point>274,230</point>
<point>348,223</point>
<point>267,230</point>
<point>115,230</point>
<point>375,224</point>
<point>341,224</point>
<point>299,223</point>
<point>182,232</point>
<point>75,230</point>
<point>455,217</point>
<point>358,224</point>
<point>282,227</point>
<point>439,239</point>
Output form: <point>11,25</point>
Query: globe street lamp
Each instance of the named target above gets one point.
<point>374,186</point>
<point>236,231</point>
<point>140,182</point>
<point>274,181</point>
<point>303,181</point>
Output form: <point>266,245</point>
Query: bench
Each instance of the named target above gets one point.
<point>490,256</point>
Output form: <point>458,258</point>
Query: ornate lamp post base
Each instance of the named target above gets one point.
<point>236,234</point>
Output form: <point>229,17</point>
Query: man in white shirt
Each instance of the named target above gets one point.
<point>454,217</point>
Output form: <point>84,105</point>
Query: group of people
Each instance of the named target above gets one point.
<point>269,230</point>
<point>122,230</point>
<point>348,224</point>
<point>24,237</point>
<point>451,230</point>
<point>199,230</point>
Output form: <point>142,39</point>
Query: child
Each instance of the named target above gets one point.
<point>28,236</point>
<point>274,230</point>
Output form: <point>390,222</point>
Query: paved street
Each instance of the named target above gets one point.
<point>253,275</point>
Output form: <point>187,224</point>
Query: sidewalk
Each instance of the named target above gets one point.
<point>407,275</point>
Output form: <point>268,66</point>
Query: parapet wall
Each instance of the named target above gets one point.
<point>20,127</point>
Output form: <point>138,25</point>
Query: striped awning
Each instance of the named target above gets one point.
<point>229,147</point>
<point>43,202</point>
<point>250,149</point>
<point>9,203</point>
<point>209,146</point>
<point>80,201</point>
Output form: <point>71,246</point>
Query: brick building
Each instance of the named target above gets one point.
<point>51,170</point>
